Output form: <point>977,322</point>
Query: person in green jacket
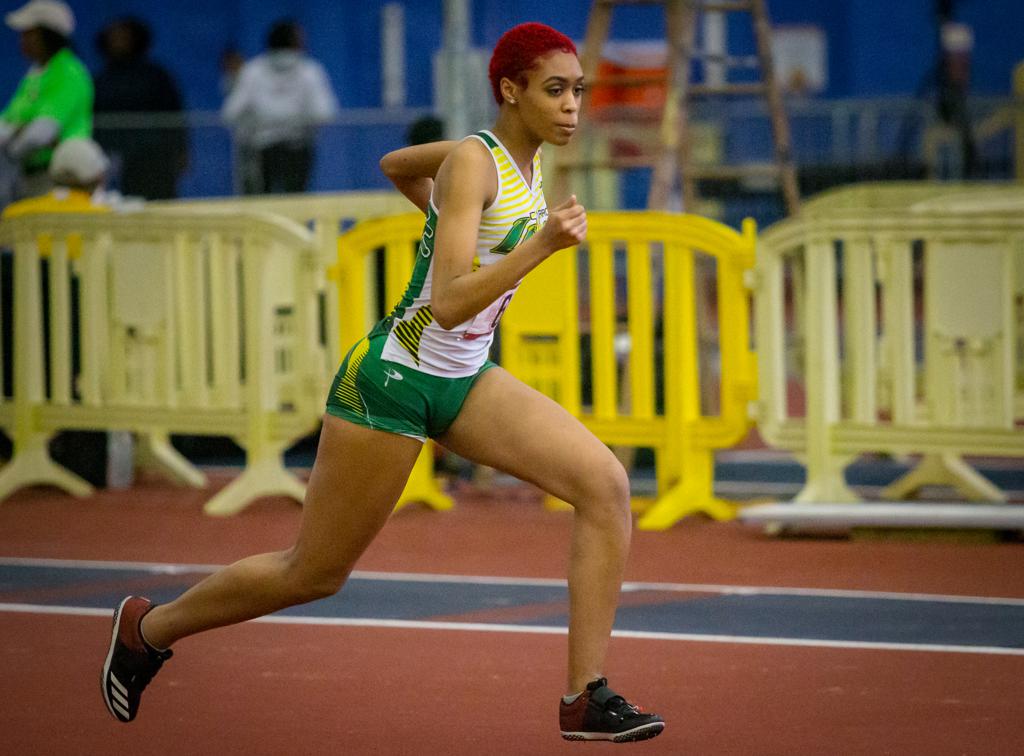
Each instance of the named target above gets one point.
<point>53,101</point>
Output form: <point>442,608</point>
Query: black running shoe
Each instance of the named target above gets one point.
<point>131,662</point>
<point>602,714</point>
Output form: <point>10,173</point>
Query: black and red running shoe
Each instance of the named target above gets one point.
<point>131,662</point>
<point>599,713</point>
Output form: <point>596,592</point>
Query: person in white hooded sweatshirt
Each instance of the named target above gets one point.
<point>275,106</point>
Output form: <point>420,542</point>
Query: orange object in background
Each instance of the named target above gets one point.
<point>604,99</point>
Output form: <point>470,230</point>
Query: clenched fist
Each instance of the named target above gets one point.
<point>566,226</point>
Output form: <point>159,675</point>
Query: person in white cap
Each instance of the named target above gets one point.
<point>78,171</point>
<point>54,99</point>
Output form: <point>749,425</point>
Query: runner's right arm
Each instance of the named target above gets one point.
<point>412,169</point>
<point>466,185</point>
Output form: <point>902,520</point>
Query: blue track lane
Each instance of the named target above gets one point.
<point>758,613</point>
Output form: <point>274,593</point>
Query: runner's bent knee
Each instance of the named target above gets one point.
<point>309,579</point>
<point>602,487</point>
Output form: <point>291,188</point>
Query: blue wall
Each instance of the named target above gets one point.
<point>875,46</point>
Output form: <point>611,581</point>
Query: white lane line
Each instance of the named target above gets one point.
<point>427,577</point>
<point>553,630</point>
<point>95,564</point>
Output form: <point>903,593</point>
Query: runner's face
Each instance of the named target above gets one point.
<point>550,102</point>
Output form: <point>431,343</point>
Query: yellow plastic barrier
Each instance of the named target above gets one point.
<point>655,323</point>
<point>540,339</point>
<point>873,382</point>
<point>194,323</point>
<point>362,303</point>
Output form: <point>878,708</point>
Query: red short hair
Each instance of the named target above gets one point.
<point>518,49</point>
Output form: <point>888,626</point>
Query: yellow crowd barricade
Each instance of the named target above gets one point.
<point>353,300</point>
<point>635,291</point>
<point>541,334</point>
<point>886,365</point>
<point>375,260</point>
<point>192,323</point>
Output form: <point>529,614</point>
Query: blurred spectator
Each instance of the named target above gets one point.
<point>279,99</point>
<point>78,171</point>
<point>54,99</point>
<point>424,130</point>
<point>151,156</point>
<point>956,43</point>
<point>231,62</point>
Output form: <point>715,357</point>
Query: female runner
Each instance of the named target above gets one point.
<point>423,372</point>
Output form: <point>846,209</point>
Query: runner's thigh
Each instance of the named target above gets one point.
<point>356,480</point>
<point>507,425</point>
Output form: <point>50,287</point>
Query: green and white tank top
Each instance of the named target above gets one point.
<point>415,339</point>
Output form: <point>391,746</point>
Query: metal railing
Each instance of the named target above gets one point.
<point>834,141</point>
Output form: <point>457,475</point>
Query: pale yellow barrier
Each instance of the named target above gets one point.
<point>361,305</point>
<point>330,207</point>
<point>194,323</point>
<point>884,196</point>
<point>872,382</point>
<point>659,258</point>
<point>349,298</point>
<point>325,214</point>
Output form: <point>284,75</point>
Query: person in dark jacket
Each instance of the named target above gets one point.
<point>152,153</point>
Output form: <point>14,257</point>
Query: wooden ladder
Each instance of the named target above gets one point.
<point>673,154</point>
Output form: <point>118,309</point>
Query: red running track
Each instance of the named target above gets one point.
<point>289,689</point>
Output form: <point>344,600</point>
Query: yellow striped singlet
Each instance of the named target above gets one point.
<point>414,338</point>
